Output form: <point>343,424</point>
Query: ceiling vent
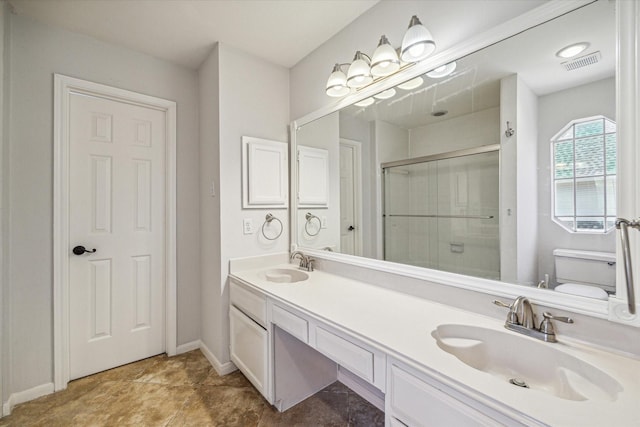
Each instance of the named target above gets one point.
<point>583,61</point>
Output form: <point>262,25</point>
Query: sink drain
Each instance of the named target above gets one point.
<point>518,382</point>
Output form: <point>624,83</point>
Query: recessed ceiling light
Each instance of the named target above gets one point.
<point>411,84</point>
<point>365,102</point>
<point>386,94</point>
<point>442,71</point>
<point>572,50</point>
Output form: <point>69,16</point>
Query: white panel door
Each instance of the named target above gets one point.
<point>347,201</point>
<point>117,206</point>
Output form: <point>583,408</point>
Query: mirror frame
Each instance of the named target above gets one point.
<point>627,110</point>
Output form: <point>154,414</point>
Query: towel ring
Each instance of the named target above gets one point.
<point>267,220</point>
<point>309,216</point>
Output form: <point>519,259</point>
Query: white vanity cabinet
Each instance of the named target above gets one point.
<point>416,399</point>
<point>249,336</point>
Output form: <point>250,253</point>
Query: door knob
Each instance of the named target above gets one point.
<point>80,250</point>
<point>351,228</point>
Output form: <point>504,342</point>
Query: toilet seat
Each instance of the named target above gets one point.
<point>582,290</point>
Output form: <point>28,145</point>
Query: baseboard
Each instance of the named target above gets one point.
<point>221,368</point>
<point>190,346</point>
<point>365,390</point>
<point>25,396</point>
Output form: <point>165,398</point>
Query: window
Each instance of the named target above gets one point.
<point>584,175</point>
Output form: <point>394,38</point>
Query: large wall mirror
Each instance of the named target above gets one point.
<point>499,165</point>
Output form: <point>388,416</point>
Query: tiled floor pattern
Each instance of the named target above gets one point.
<point>184,391</point>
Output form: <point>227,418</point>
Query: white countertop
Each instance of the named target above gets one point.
<point>401,325</point>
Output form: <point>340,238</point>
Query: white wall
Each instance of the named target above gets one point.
<point>210,264</point>
<point>4,17</point>
<point>450,23</point>
<point>555,111</point>
<point>323,133</point>
<point>458,133</point>
<point>518,165</point>
<point>254,101</point>
<point>36,52</point>
<point>390,143</point>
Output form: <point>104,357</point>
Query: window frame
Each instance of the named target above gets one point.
<point>552,169</point>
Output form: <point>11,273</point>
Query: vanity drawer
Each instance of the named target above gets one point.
<point>292,323</point>
<point>353,357</point>
<point>251,304</point>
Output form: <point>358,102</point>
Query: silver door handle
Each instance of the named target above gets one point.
<point>623,225</point>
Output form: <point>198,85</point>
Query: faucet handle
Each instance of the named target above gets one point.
<point>546,327</point>
<point>512,317</point>
<point>550,316</point>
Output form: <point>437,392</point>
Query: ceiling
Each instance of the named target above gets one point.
<point>475,84</point>
<point>184,31</point>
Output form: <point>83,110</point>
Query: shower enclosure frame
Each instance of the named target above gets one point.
<point>431,158</point>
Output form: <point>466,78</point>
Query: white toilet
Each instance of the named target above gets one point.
<point>585,273</point>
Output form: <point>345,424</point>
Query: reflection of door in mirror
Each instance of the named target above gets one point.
<point>350,197</point>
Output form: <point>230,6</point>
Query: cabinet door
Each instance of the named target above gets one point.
<point>265,169</point>
<point>416,403</point>
<point>313,177</point>
<point>249,350</point>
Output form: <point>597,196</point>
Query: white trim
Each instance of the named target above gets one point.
<point>221,368</point>
<point>627,112</point>
<point>63,86</point>
<point>25,396</point>
<point>187,347</point>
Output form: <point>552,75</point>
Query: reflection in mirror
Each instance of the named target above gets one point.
<point>499,165</point>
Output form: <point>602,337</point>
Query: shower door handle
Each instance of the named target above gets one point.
<point>623,225</point>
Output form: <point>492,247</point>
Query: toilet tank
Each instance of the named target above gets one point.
<point>586,268</point>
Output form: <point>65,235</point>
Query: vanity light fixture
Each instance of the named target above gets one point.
<point>572,50</point>
<point>385,59</point>
<point>411,84</point>
<point>365,102</point>
<point>337,83</point>
<point>385,94</point>
<point>442,71</point>
<point>359,73</point>
<point>417,44</point>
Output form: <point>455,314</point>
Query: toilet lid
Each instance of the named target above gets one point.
<point>582,290</point>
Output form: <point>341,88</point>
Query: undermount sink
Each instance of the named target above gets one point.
<point>523,362</point>
<point>285,275</point>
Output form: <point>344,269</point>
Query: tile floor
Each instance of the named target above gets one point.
<point>184,391</point>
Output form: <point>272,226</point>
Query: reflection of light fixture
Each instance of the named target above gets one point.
<point>337,83</point>
<point>385,94</point>
<point>442,71</point>
<point>411,84</point>
<point>365,102</point>
<point>385,59</point>
<point>359,73</point>
<point>572,50</point>
<point>417,43</point>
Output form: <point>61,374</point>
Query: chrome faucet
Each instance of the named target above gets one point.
<point>306,262</point>
<point>521,319</point>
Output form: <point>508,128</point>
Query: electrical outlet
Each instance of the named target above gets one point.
<point>212,189</point>
<point>247,226</point>
<point>323,222</point>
